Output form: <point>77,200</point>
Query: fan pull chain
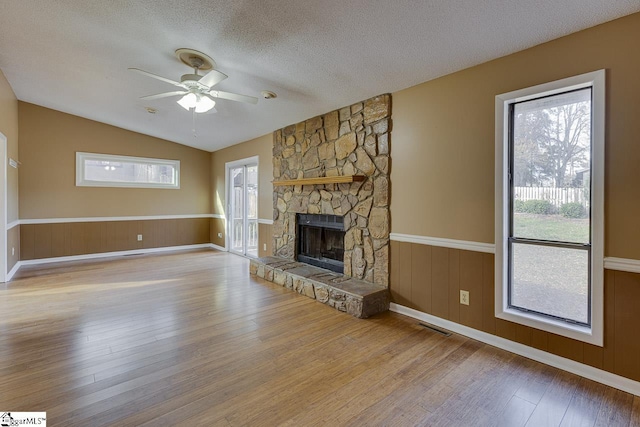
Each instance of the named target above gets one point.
<point>193,112</point>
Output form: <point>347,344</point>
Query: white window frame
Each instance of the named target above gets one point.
<point>594,333</point>
<point>81,157</point>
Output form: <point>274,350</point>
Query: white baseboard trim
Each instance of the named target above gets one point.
<point>622,264</point>
<point>107,218</point>
<point>595,374</point>
<point>445,243</point>
<point>112,254</point>
<point>265,221</point>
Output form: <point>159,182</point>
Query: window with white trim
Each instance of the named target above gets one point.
<point>106,170</point>
<point>550,207</point>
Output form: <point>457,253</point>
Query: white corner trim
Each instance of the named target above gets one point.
<point>445,243</point>
<point>586,371</point>
<point>265,221</point>
<point>219,248</point>
<point>622,264</point>
<point>13,224</point>
<point>110,218</point>
<point>112,254</point>
<point>13,271</point>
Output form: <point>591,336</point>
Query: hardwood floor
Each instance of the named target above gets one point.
<point>191,339</point>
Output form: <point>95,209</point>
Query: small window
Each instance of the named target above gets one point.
<point>549,206</point>
<point>105,170</point>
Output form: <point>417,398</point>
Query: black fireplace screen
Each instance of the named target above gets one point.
<point>321,241</point>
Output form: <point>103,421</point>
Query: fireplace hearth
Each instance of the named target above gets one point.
<point>321,241</point>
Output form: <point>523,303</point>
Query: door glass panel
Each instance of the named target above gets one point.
<point>551,280</point>
<point>244,209</point>
<point>237,199</point>
<point>252,210</point>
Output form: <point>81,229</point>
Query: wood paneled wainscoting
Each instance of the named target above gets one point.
<point>217,228</point>
<point>429,279</point>
<point>13,245</point>
<point>265,237</point>
<point>60,239</point>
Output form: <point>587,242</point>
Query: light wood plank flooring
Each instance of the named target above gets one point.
<point>191,339</point>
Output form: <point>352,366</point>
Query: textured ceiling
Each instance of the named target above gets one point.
<point>317,56</point>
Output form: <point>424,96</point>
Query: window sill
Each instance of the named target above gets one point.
<point>574,331</point>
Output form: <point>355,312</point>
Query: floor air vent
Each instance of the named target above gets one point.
<point>440,331</point>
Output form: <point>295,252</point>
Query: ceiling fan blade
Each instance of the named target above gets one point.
<point>212,78</point>
<point>164,95</point>
<point>163,79</point>
<point>233,96</point>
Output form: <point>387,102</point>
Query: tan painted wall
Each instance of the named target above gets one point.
<point>261,147</point>
<point>442,175</point>
<point>9,127</point>
<point>49,141</point>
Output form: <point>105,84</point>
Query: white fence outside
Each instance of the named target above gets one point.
<point>556,196</point>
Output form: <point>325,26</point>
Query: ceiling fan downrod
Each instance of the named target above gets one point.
<point>196,63</point>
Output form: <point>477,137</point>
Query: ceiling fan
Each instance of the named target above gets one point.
<point>195,89</point>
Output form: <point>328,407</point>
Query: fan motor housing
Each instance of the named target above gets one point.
<point>190,78</point>
<point>192,82</point>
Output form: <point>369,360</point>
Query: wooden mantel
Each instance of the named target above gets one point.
<point>321,180</point>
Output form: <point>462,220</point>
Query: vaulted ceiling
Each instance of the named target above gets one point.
<point>317,56</point>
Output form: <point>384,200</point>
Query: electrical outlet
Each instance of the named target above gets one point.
<point>139,237</point>
<point>464,297</point>
<point>219,235</point>
<point>13,251</point>
<point>264,246</point>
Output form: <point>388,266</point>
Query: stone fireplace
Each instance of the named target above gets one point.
<point>352,141</point>
<point>331,208</point>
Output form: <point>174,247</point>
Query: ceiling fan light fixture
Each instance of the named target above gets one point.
<point>204,104</point>
<point>199,102</point>
<point>188,101</point>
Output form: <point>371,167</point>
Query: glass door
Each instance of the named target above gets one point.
<point>243,209</point>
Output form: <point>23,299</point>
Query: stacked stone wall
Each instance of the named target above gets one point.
<point>353,140</point>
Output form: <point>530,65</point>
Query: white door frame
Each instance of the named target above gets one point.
<point>3,207</point>
<point>227,168</point>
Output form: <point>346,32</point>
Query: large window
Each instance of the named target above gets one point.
<point>105,170</point>
<point>549,206</point>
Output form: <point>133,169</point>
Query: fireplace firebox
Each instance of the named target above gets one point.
<point>321,241</point>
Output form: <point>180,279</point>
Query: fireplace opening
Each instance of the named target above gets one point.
<point>321,241</point>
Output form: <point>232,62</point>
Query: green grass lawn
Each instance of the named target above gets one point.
<point>551,227</point>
